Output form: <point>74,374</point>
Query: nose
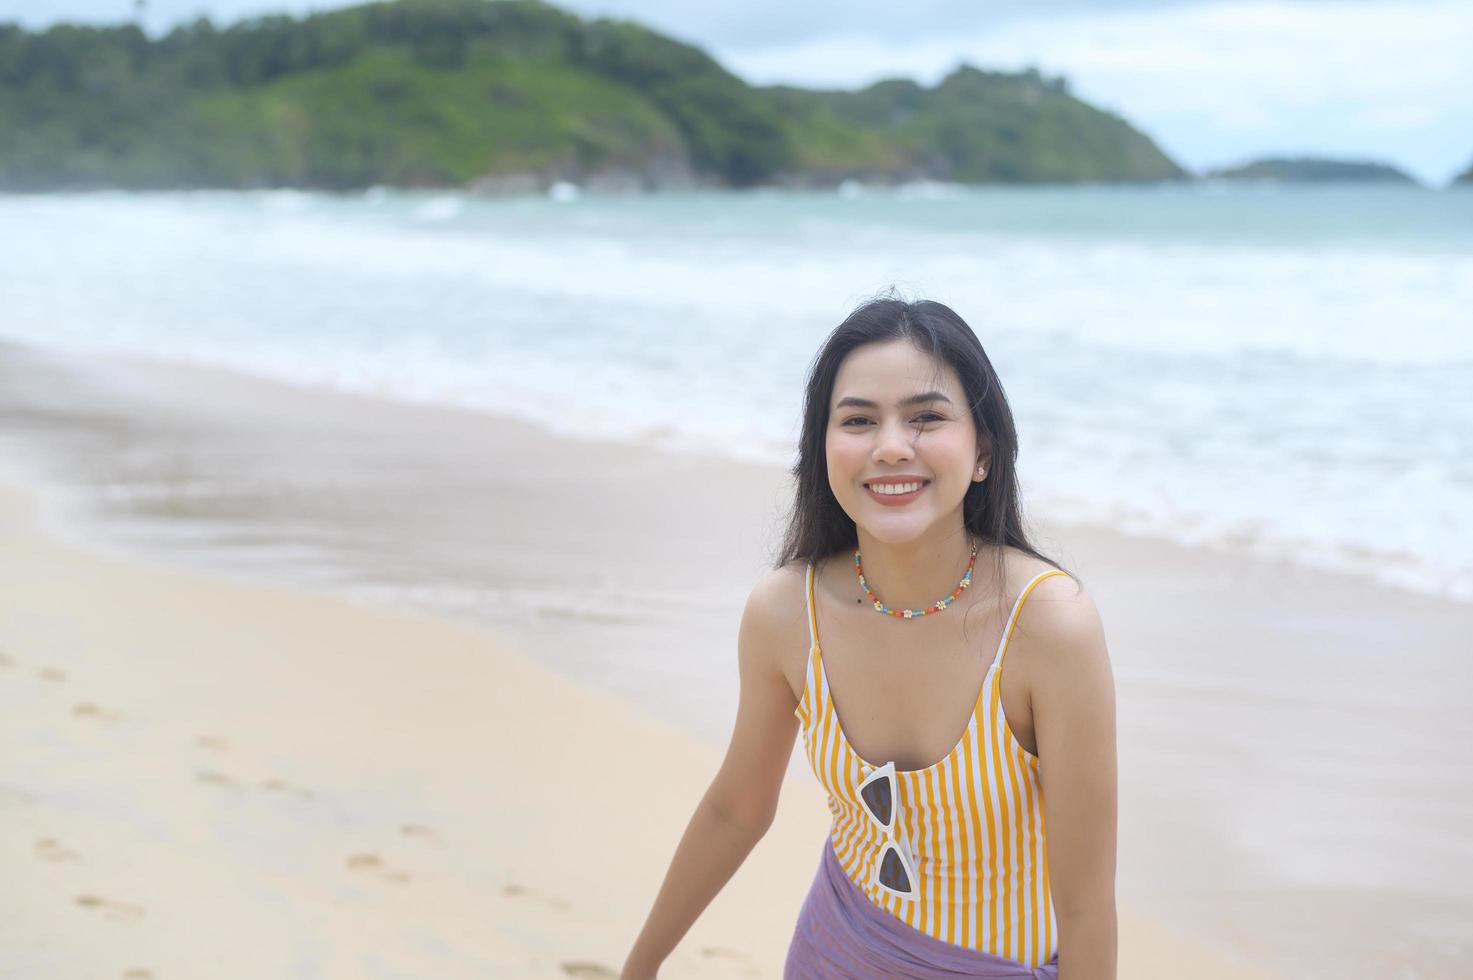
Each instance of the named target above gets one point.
<point>894,442</point>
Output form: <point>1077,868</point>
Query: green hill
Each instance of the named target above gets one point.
<point>1315,170</point>
<point>974,126</point>
<point>504,93</point>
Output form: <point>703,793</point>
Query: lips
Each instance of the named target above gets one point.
<point>895,499</point>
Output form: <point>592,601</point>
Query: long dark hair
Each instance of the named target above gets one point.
<point>818,526</point>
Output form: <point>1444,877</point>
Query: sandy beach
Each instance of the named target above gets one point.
<point>222,758</point>
<point>206,779</point>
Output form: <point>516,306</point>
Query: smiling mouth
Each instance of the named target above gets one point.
<point>897,491</point>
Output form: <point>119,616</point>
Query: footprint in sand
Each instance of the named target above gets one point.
<point>53,674</point>
<point>723,952</point>
<point>87,709</point>
<point>374,865</point>
<point>275,785</point>
<point>51,849</point>
<point>418,830</point>
<point>121,911</point>
<point>217,778</point>
<point>587,970</point>
<point>515,890</point>
<point>216,743</point>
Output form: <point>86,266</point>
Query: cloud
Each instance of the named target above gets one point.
<point>753,24</point>
<point>774,23</point>
<point>1258,71</point>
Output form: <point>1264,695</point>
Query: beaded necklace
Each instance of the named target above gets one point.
<point>934,607</point>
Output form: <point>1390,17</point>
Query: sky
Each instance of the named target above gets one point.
<point>1213,82</point>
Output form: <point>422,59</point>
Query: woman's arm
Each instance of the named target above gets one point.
<point>1073,702</point>
<point>742,800</point>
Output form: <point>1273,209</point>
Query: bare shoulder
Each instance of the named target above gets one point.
<point>775,620</point>
<point>778,597</point>
<point>1063,625</point>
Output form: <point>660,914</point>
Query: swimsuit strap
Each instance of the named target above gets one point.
<point>1007,633</point>
<point>812,615</point>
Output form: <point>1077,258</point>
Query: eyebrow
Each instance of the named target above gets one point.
<point>925,396</point>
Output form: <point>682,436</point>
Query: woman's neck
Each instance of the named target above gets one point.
<point>915,574</point>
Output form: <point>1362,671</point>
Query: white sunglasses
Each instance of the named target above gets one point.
<point>895,871</point>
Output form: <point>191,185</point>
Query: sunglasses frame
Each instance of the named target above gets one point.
<point>893,839</point>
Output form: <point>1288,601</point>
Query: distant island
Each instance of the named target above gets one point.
<point>1314,170</point>
<point>507,95</point>
<point>1466,177</point>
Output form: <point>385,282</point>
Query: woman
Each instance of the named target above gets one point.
<point>907,567</point>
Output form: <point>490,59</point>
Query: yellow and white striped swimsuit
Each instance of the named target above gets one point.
<point>975,819</point>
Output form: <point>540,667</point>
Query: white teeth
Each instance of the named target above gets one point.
<point>890,489</point>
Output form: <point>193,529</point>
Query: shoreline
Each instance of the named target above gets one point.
<point>1240,535</point>
<point>1190,851</point>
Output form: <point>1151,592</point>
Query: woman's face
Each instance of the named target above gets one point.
<point>877,436</point>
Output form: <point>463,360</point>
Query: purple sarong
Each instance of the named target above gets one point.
<point>842,935</point>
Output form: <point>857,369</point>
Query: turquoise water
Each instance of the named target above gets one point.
<point>1279,370</point>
